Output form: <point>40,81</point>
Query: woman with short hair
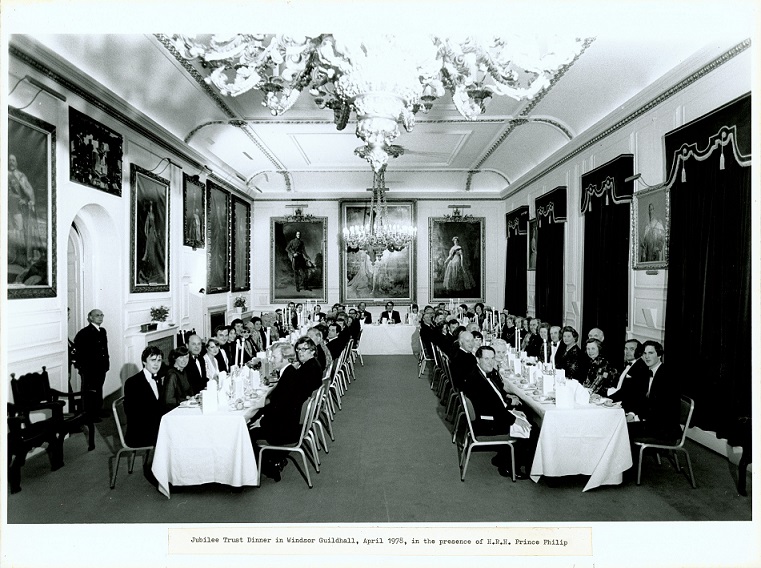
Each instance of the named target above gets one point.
<point>176,387</point>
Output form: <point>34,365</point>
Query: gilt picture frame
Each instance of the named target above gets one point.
<point>298,260</point>
<point>650,225</point>
<point>457,252</point>
<point>240,243</point>
<point>95,157</point>
<point>377,277</point>
<point>193,212</point>
<point>217,239</point>
<point>31,206</point>
<point>149,234</point>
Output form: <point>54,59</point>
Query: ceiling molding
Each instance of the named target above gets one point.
<point>649,105</point>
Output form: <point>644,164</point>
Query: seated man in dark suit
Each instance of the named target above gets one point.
<point>633,381</point>
<point>363,314</point>
<point>280,418</point>
<point>492,412</point>
<point>390,314</point>
<point>658,416</point>
<point>462,361</point>
<point>142,404</point>
<point>196,369</point>
<point>322,353</point>
<point>335,343</point>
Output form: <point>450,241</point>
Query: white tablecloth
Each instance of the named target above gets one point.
<point>385,339</point>
<point>195,448</point>
<point>590,440</point>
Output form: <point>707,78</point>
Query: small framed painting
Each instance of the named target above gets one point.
<point>31,207</point>
<point>218,239</point>
<point>95,157</point>
<point>241,245</point>
<point>193,209</point>
<point>149,265</point>
<point>532,236</point>
<point>457,257</point>
<point>650,228</point>
<point>297,259</point>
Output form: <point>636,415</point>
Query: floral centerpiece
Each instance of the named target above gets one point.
<point>240,302</point>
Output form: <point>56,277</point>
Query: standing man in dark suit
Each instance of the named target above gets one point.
<point>658,418</point>
<point>196,369</point>
<point>143,406</point>
<point>391,314</point>
<point>91,344</point>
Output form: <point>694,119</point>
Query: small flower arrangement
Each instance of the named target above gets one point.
<point>239,302</point>
<point>160,313</point>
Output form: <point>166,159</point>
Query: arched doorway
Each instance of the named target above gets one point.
<point>75,290</point>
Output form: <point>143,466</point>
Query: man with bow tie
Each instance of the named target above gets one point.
<point>196,369</point>
<point>143,406</point>
<point>557,346</point>
<point>391,315</point>
<point>91,345</point>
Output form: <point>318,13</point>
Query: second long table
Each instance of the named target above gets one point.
<point>387,339</point>
<point>587,439</point>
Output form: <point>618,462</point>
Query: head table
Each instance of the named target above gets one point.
<point>587,439</point>
<point>195,448</point>
<point>389,339</point>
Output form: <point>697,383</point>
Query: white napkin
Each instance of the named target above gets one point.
<point>521,428</point>
<point>209,402</point>
<point>581,395</point>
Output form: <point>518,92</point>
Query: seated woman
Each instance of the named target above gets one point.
<point>537,342</point>
<point>176,387</point>
<point>600,376</point>
<point>571,361</point>
<point>479,312</point>
<point>210,359</point>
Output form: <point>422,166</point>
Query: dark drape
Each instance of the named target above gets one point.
<point>516,285</point>
<point>708,308</point>
<point>605,202</point>
<point>550,241</point>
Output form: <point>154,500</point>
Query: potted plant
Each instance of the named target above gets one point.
<point>239,304</point>
<point>159,315</point>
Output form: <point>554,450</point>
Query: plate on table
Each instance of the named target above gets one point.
<point>544,398</point>
<point>189,404</point>
<point>609,404</point>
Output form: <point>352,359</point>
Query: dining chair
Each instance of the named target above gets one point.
<point>687,406</point>
<point>472,442</point>
<point>25,435</point>
<point>117,407</point>
<point>424,357</point>
<point>307,415</point>
<point>355,352</point>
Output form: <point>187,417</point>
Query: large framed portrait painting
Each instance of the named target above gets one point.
<point>217,239</point>
<point>241,246</point>
<point>650,228</point>
<point>31,207</point>
<point>95,157</point>
<point>457,250</point>
<point>297,259</point>
<point>193,209</point>
<point>149,266</point>
<point>376,277</point>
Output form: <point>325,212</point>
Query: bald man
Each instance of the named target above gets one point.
<point>91,345</point>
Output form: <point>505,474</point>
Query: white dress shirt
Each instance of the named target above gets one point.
<point>152,382</point>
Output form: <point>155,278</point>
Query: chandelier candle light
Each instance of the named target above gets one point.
<point>384,79</point>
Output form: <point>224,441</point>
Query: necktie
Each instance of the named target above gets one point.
<point>650,386</point>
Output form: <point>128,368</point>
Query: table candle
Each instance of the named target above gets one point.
<point>545,351</point>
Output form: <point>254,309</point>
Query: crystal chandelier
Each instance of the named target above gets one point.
<point>377,234</point>
<point>383,79</point>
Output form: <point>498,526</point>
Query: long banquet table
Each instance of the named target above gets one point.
<point>195,448</point>
<point>587,439</point>
<point>389,339</point>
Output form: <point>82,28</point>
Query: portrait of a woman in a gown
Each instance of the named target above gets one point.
<point>457,277</point>
<point>152,269</point>
<point>361,284</point>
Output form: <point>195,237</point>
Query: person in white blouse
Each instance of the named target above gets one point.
<point>210,359</point>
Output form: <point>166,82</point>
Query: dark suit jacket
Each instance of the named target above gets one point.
<point>365,316</point>
<point>572,364</point>
<point>143,411</point>
<point>534,348</point>
<point>92,350</point>
<point>222,364</point>
<point>196,379</point>
<point>660,411</point>
<point>335,346</point>
<point>395,317</point>
<point>508,334</point>
<point>461,365</point>
<point>492,415</point>
<point>633,391</point>
<point>282,416</point>
<point>174,389</point>
<point>559,353</point>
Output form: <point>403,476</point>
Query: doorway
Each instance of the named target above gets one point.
<point>75,290</point>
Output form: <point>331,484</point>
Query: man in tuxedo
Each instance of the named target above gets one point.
<point>596,333</point>
<point>390,314</point>
<point>91,345</point>
<point>558,347</point>
<point>196,368</point>
<point>633,381</point>
<point>221,333</point>
<point>322,353</point>
<point>658,417</point>
<point>363,314</point>
<point>282,413</point>
<point>492,406</point>
<point>463,361</point>
<point>335,343</point>
<point>143,406</point>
